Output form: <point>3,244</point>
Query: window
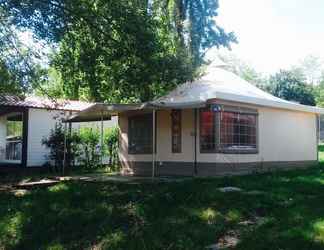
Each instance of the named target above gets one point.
<point>237,131</point>
<point>140,134</point>
<point>207,130</point>
<point>228,129</point>
<point>14,137</point>
<point>176,131</point>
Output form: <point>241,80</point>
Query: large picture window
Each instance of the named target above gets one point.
<point>228,131</point>
<point>140,134</point>
<point>238,131</point>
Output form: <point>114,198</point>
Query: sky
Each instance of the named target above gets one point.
<point>274,34</point>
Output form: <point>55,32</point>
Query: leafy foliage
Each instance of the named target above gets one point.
<point>122,51</point>
<point>243,69</point>
<point>192,25</point>
<point>19,68</point>
<point>55,143</point>
<point>111,141</point>
<point>89,147</point>
<point>289,85</point>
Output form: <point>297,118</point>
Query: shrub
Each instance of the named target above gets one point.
<point>55,143</point>
<point>111,141</point>
<point>83,147</point>
<point>89,146</point>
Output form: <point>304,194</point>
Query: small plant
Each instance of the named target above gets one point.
<point>55,143</point>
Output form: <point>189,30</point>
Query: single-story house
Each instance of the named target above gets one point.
<point>24,122</point>
<point>219,124</point>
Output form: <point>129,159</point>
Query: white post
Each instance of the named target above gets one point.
<point>153,146</point>
<point>318,137</point>
<point>101,138</point>
<point>64,153</point>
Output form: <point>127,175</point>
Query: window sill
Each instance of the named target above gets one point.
<point>140,153</point>
<point>230,151</point>
<point>239,151</point>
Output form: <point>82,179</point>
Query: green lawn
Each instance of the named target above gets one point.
<point>181,215</point>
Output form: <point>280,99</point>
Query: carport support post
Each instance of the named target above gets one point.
<point>101,138</point>
<point>153,142</point>
<point>64,153</point>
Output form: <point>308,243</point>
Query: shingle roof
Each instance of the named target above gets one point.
<point>42,103</point>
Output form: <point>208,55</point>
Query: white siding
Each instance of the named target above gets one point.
<point>3,134</point>
<point>41,122</point>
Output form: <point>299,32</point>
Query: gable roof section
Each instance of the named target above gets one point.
<point>42,103</point>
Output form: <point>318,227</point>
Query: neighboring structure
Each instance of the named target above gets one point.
<point>218,124</point>
<point>24,122</point>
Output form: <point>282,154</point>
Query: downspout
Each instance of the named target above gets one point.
<point>195,142</point>
<point>153,142</point>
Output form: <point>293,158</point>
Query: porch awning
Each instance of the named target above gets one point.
<point>94,113</point>
<point>102,111</point>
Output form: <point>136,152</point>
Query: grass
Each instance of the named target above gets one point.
<point>181,215</point>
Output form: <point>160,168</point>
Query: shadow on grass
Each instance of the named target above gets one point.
<point>186,215</point>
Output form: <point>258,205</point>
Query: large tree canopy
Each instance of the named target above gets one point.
<point>126,50</point>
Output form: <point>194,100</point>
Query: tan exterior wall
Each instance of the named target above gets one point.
<point>283,136</point>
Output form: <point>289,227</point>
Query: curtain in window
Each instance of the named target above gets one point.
<point>207,130</point>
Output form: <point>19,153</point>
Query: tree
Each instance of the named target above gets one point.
<point>292,87</point>
<point>243,69</point>
<point>312,67</point>
<point>8,85</point>
<point>122,51</point>
<point>19,66</point>
<point>193,26</point>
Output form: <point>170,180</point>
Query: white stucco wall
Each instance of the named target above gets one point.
<point>283,136</point>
